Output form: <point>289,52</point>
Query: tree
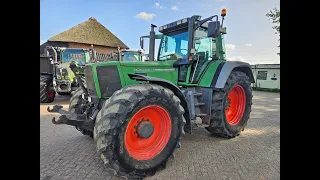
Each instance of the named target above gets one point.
<point>274,15</point>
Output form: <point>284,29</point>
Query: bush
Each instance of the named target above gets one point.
<point>266,89</point>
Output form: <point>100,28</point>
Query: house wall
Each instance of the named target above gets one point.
<point>51,43</point>
<point>97,48</point>
<point>272,81</point>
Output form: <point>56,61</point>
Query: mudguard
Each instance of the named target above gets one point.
<point>173,88</point>
<point>225,68</point>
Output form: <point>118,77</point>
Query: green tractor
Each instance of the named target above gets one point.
<point>65,81</point>
<point>137,111</point>
<point>61,79</point>
<point>128,55</point>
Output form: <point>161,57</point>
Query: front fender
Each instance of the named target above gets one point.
<point>161,82</point>
<point>172,87</point>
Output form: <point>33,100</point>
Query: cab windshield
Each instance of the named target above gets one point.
<point>130,56</point>
<point>69,55</point>
<point>174,47</point>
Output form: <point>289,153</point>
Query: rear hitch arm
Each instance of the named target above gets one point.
<point>73,119</point>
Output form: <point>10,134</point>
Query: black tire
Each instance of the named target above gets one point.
<point>75,107</point>
<point>46,95</point>
<point>218,122</point>
<point>112,122</point>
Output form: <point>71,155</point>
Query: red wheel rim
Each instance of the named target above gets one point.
<point>147,148</point>
<point>50,93</point>
<point>236,105</point>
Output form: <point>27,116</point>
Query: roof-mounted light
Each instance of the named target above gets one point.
<point>173,24</point>
<point>185,20</point>
<point>224,12</point>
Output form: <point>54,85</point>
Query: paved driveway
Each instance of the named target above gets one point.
<point>66,154</point>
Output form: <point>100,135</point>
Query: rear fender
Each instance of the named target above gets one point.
<point>224,70</point>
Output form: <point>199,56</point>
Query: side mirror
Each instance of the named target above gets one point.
<point>73,67</point>
<point>214,29</point>
<point>141,42</point>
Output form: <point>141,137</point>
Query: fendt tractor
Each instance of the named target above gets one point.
<point>55,74</point>
<point>137,111</point>
<point>125,55</point>
<point>131,55</point>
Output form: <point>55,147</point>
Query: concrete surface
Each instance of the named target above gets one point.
<point>66,154</point>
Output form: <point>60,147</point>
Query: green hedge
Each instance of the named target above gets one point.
<point>265,89</point>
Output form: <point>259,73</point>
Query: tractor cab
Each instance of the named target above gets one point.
<point>127,55</point>
<point>67,55</point>
<point>81,56</point>
<point>193,43</point>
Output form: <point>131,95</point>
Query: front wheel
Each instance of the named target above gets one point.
<point>138,129</point>
<point>231,106</point>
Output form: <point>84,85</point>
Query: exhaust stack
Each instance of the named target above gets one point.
<point>152,39</point>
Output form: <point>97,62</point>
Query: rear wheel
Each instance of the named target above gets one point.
<point>75,107</point>
<point>47,94</point>
<point>138,129</point>
<point>231,106</point>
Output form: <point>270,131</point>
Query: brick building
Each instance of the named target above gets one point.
<point>88,33</point>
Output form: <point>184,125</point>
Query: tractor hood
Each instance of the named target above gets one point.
<point>104,78</point>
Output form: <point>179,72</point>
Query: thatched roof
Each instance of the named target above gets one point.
<point>89,32</point>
